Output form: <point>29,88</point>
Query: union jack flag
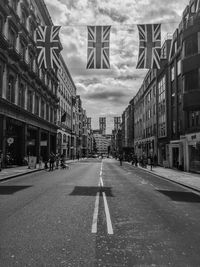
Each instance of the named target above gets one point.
<point>149,46</point>
<point>98,47</point>
<point>48,46</point>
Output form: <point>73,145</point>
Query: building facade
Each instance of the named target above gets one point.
<point>28,95</point>
<point>167,105</point>
<point>66,93</point>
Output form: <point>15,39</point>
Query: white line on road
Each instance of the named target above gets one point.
<point>108,219</point>
<point>96,208</point>
<point>95,215</point>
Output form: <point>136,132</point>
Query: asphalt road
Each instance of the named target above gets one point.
<point>98,213</point>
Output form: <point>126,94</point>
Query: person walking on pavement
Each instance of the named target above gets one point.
<point>51,161</point>
<point>57,160</point>
<point>120,159</point>
<point>151,161</point>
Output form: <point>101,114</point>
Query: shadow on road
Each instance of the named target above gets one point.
<point>91,191</point>
<point>7,190</point>
<point>181,196</point>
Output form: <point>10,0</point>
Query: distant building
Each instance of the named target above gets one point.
<point>89,123</point>
<point>103,142</point>
<point>117,122</point>
<point>102,124</point>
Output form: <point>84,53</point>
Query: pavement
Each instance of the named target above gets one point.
<point>187,179</point>
<point>9,173</point>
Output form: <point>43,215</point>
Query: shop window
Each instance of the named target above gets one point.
<point>11,89</point>
<point>197,117</point>
<point>191,80</point>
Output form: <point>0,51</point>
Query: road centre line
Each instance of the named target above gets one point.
<point>95,215</point>
<point>96,208</point>
<point>108,219</point>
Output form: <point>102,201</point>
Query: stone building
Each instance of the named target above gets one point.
<point>28,95</point>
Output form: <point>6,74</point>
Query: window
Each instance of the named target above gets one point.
<point>191,80</point>
<point>47,112</point>
<point>172,74</point>
<point>36,104</point>
<point>179,67</point>
<point>51,114</point>
<point>193,119</point>
<point>64,138</point>
<point>11,89</point>
<point>42,108</point>
<point>191,45</point>
<point>30,101</point>
<point>21,95</point>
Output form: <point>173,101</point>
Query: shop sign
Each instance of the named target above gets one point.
<point>10,140</point>
<point>193,137</point>
<point>43,143</point>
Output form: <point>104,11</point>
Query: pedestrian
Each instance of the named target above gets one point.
<point>51,161</point>
<point>136,161</point>
<point>120,159</point>
<point>78,156</point>
<point>151,161</point>
<point>57,160</point>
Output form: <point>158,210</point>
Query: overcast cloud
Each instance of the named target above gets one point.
<point>108,92</point>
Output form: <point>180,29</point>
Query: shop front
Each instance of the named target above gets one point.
<point>176,155</point>
<point>14,140</point>
<point>193,148</point>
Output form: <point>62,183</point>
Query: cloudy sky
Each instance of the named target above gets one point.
<point>108,92</point>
